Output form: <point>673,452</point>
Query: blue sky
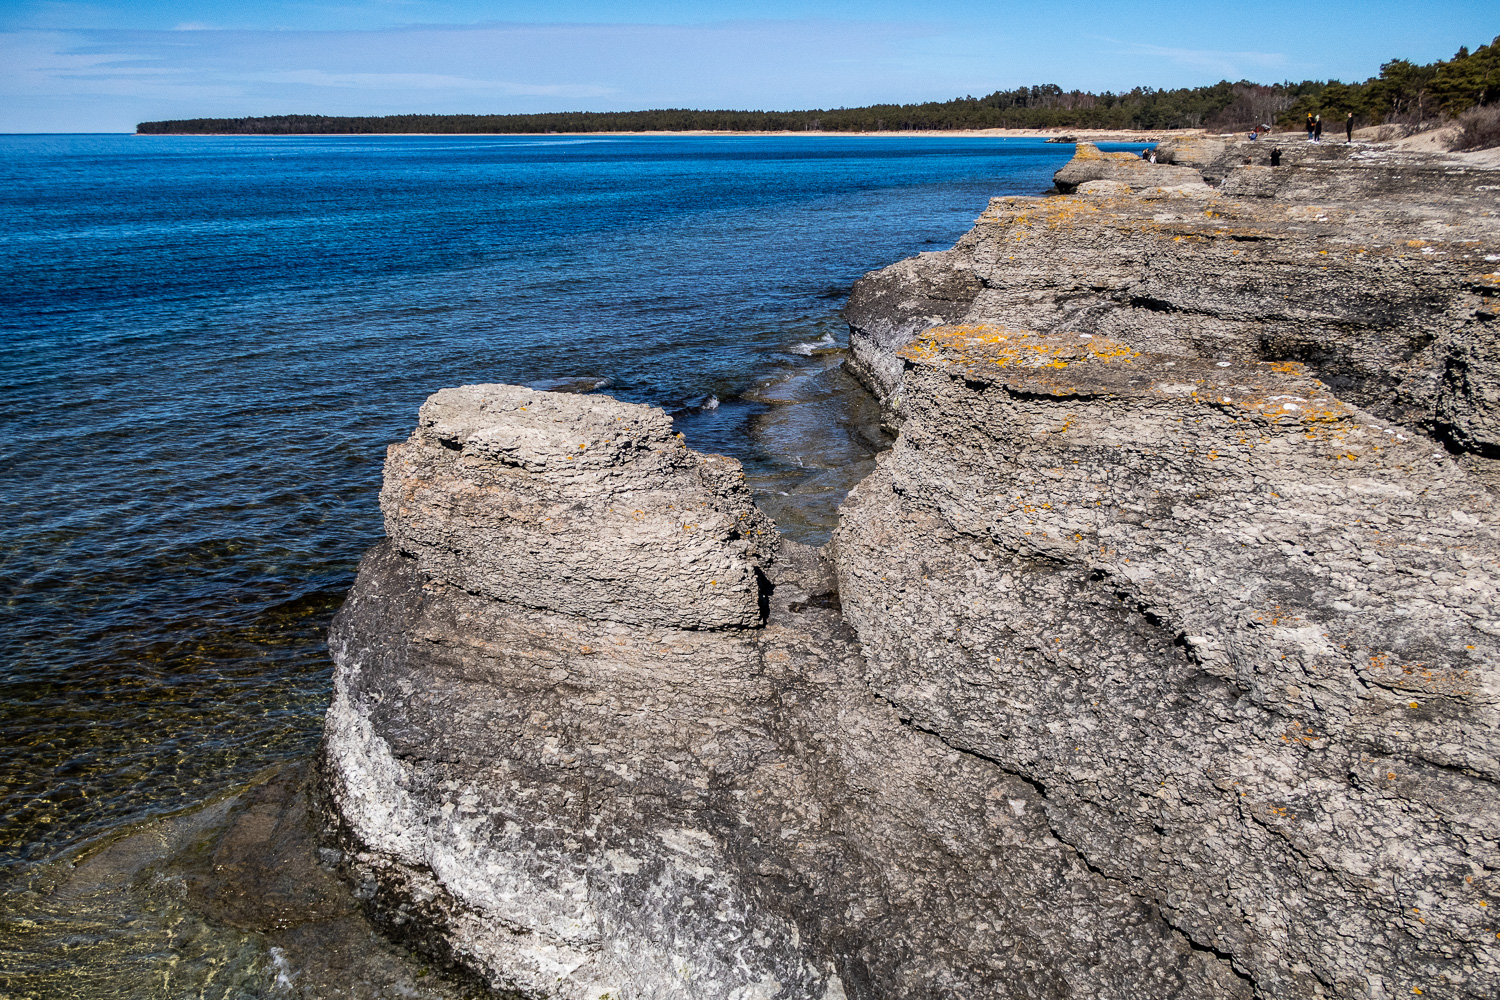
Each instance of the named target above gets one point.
<point>104,65</point>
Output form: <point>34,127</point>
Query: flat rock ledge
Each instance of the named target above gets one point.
<point>1148,663</point>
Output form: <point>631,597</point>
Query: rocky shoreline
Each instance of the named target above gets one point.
<point>1156,659</point>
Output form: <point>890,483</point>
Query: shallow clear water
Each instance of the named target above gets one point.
<point>209,343</point>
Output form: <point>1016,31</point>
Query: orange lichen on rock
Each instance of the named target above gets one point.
<point>1089,151</point>
<point>1004,347</point>
<point>1281,398</point>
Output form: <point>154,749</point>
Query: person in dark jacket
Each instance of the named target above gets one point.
<point>1275,156</point>
<point>1349,127</point>
<point>1318,129</point>
<point>1309,126</point>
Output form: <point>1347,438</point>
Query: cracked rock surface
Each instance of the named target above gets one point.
<point>576,805</point>
<point>1241,635</point>
<point>1377,269</point>
<point>1158,658</point>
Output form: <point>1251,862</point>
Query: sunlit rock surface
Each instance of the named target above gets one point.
<point>1127,169</point>
<point>577,805</point>
<point>575,504</point>
<point>1377,269</point>
<point>1241,634</point>
<point>1156,659</point>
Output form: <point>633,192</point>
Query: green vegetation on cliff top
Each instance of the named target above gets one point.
<point>1403,93</point>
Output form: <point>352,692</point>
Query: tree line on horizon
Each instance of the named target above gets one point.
<point>1403,92</point>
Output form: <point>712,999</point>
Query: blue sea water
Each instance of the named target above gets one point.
<point>208,343</point>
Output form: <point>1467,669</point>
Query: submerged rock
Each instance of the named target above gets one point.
<point>1149,663</point>
<point>236,897</point>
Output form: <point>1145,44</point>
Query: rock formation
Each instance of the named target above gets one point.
<point>1157,658</point>
<point>1126,170</point>
<point>1368,266</point>
<point>1241,636</point>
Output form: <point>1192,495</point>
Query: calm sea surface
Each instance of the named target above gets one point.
<point>208,343</point>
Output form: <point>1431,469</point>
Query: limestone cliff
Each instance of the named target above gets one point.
<point>580,803</point>
<point>1375,268</point>
<point>1240,635</point>
<point>1157,659</point>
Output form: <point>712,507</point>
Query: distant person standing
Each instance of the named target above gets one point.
<point>1349,127</point>
<point>1318,129</point>
<point>1309,126</point>
<point>1275,156</point>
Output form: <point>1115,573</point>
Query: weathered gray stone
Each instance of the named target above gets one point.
<point>1242,635</point>
<point>514,494</point>
<point>928,290</point>
<point>1157,659</point>
<point>576,805</point>
<point>1089,164</point>
<point>1374,268</point>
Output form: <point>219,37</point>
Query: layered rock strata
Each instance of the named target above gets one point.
<point>1240,635</point>
<point>1158,658</point>
<point>1127,170</point>
<point>1379,270</point>
<point>580,805</point>
<point>513,494</point>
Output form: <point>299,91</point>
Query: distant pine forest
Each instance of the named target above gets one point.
<point>1403,92</point>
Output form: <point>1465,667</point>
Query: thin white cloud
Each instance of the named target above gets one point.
<point>429,81</point>
<point>111,79</point>
<point>50,64</point>
<point>490,68</point>
<point>1224,63</point>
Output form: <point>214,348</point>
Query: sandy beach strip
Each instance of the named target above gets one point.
<point>1081,135</point>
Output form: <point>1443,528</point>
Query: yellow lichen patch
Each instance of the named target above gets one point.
<point>1295,732</point>
<point>1318,416</point>
<point>1054,213</point>
<point>1089,151</point>
<point>1004,347</point>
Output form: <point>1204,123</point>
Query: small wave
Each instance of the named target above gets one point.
<point>696,404</point>
<point>807,348</point>
<point>585,384</point>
